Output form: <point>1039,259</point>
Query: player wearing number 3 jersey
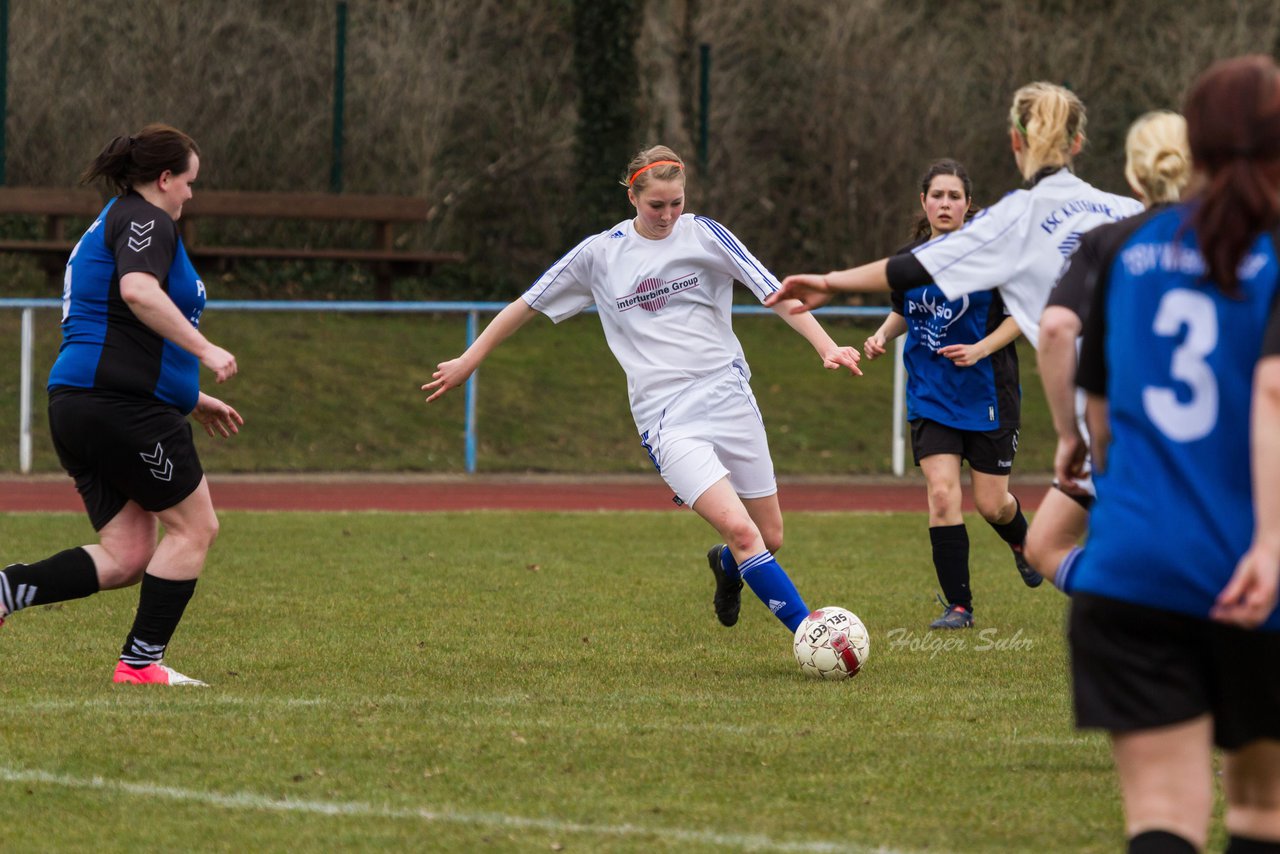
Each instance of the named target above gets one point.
<point>1174,631</point>
<point>662,283</point>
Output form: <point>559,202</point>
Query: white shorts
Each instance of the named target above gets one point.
<point>711,430</point>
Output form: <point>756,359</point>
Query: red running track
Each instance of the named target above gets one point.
<point>407,493</point>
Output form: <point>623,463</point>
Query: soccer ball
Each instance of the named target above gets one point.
<point>832,643</point>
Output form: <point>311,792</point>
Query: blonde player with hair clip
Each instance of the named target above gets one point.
<point>1158,168</point>
<point>662,282</point>
<point>1018,245</point>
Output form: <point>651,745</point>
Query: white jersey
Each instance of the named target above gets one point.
<point>1021,244</point>
<point>665,304</point>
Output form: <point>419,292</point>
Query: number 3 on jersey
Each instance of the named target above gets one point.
<point>1186,421</point>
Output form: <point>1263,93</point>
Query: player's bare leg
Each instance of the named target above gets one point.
<point>1003,513</point>
<point>1166,779</point>
<point>747,547</point>
<point>1055,533</point>
<point>167,586</point>
<point>948,539</point>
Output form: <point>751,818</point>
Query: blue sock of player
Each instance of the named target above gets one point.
<point>727,563</point>
<point>1062,578</point>
<point>771,583</point>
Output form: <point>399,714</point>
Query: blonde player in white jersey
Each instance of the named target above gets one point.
<point>662,283</point>
<point>1019,245</point>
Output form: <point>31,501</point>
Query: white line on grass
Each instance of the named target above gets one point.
<point>189,700</point>
<point>359,809</point>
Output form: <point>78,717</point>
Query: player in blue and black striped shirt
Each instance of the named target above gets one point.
<point>125,381</point>
<point>963,398</point>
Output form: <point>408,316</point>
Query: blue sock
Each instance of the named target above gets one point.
<point>770,582</point>
<point>1062,578</point>
<point>727,563</point>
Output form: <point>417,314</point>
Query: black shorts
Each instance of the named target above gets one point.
<point>1135,668</point>
<point>120,448</point>
<point>1085,501</point>
<point>989,451</point>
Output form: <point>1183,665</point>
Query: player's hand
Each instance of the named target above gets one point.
<point>1068,463</point>
<point>1250,596</point>
<point>216,417</point>
<point>222,363</point>
<point>842,357</point>
<point>874,346</point>
<point>963,355</point>
<point>450,374</point>
<point>809,290</point>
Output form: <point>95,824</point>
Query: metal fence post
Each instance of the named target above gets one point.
<point>24,392</point>
<point>899,407</point>
<point>473,324</point>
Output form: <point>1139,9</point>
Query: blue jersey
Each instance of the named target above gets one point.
<point>1175,359</point>
<point>104,345</point>
<point>982,397</point>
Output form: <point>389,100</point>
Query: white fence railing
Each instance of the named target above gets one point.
<point>472,310</point>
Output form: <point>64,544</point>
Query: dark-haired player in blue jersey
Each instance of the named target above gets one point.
<point>125,380</point>
<point>1175,638</point>
<point>962,399</point>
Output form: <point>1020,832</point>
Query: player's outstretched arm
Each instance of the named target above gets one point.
<point>811,290</point>
<point>834,356</point>
<point>455,372</point>
<point>1251,594</point>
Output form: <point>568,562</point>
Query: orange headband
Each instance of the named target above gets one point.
<point>636,174</point>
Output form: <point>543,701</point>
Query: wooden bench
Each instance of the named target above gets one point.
<point>387,260</point>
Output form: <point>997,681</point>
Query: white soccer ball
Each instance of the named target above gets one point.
<point>832,643</point>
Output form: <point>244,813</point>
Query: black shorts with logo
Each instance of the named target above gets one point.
<point>1135,668</point>
<point>121,448</point>
<point>987,451</point>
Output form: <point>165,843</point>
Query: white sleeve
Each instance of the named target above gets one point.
<point>982,255</point>
<point>736,260</point>
<point>565,288</point>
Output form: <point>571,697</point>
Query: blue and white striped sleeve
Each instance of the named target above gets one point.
<point>565,288</point>
<point>743,266</point>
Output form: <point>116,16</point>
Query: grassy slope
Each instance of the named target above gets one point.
<point>491,664</point>
<point>340,392</point>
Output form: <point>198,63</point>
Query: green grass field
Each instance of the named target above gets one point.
<point>534,682</point>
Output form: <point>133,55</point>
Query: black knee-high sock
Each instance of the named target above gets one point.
<point>1160,842</point>
<point>1013,532</point>
<point>67,575</point>
<point>160,606</point>
<point>951,562</point>
<point>1245,845</point>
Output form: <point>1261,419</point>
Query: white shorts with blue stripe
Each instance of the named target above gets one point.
<point>712,430</point>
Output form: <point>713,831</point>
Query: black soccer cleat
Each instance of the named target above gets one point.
<point>953,617</point>
<point>728,598</point>
<point>1030,577</point>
